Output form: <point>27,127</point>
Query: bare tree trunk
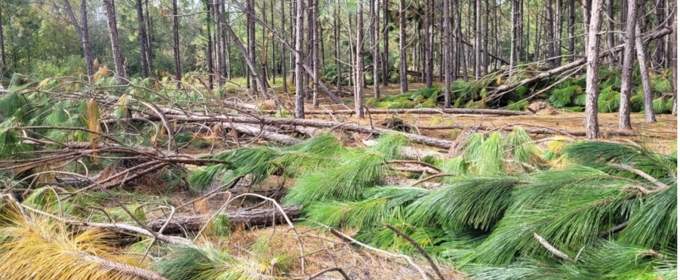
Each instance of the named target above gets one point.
<point>672,60</point>
<point>110,9</point>
<point>611,60</point>
<point>386,40</point>
<point>219,41</point>
<point>254,70</point>
<point>644,76</point>
<point>446,40</point>
<point>572,27</point>
<point>592,56</point>
<point>149,31</point>
<point>226,43</point>
<point>626,71</point>
<point>359,84</point>
<point>3,62</point>
<point>403,78</point>
<point>428,43</point>
<point>514,15</point>
<point>175,47</point>
<point>336,41</point>
<point>143,44</point>
<point>375,29</point>
<point>250,26</point>
<point>299,87</point>
<point>478,38</point>
<point>314,31</point>
<point>83,32</point>
<point>284,68</point>
<point>209,56</point>
<point>557,33</point>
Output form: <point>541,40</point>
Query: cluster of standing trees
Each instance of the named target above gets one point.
<point>440,40</point>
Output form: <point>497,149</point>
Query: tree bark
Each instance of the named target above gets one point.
<point>143,44</point>
<point>359,68</point>
<point>2,47</point>
<point>514,15</point>
<point>299,87</point>
<point>336,41</point>
<point>429,46</point>
<point>478,39</point>
<point>592,57</point>
<point>446,40</point>
<point>644,76</point>
<point>403,78</point>
<point>375,29</point>
<point>110,9</point>
<point>209,50</point>
<point>626,71</point>
<point>386,40</point>
<point>254,70</point>
<point>250,27</point>
<point>314,31</point>
<point>219,40</point>
<point>284,64</point>
<point>571,29</point>
<point>175,48</point>
<point>610,31</point>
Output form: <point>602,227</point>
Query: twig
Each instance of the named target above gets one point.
<point>339,270</point>
<point>659,185</point>
<point>419,248</point>
<point>556,252</point>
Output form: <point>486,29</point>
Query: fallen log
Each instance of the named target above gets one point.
<point>462,111</point>
<point>260,217</point>
<point>499,91</point>
<point>529,129</point>
<point>268,135</point>
<point>420,139</point>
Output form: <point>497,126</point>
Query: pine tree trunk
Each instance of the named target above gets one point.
<point>557,34</point>
<point>284,68</point>
<point>386,40</point>
<point>257,76</point>
<point>672,60</point>
<point>514,15</point>
<point>87,49</point>
<point>359,85</point>
<point>403,78</point>
<point>478,39</point>
<point>314,30</point>
<point>428,46</point>
<point>571,29</point>
<point>149,31</point>
<point>644,76</point>
<point>175,47</point>
<point>209,50</point>
<point>592,56</point>
<point>3,62</point>
<point>626,71</point>
<point>374,47</point>
<point>250,26</point>
<point>226,42</point>
<point>446,40</point>
<point>143,45</point>
<point>299,87</point>
<point>336,44</point>
<point>110,9</point>
<point>611,60</point>
<point>219,41</point>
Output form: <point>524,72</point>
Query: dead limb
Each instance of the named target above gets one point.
<point>419,248</point>
<point>247,218</point>
<point>339,270</point>
<point>462,111</point>
<point>556,252</point>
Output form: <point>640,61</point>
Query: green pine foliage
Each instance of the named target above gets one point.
<point>354,171</point>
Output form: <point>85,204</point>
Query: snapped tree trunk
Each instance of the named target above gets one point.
<point>254,70</point>
<point>644,76</point>
<point>592,57</point>
<point>110,10</point>
<point>626,71</point>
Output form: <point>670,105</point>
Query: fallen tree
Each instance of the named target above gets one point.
<point>259,217</point>
<point>463,111</point>
<point>499,91</point>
